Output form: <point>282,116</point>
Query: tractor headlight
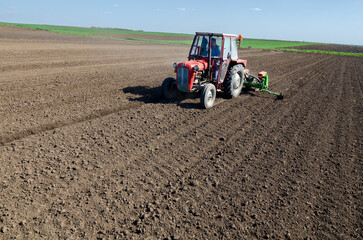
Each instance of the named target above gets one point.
<point>196,68</point>
<point>175,64</point>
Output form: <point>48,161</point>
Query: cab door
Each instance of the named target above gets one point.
<point>227,51</point>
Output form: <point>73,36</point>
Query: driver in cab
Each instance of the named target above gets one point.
<point>216,51</point>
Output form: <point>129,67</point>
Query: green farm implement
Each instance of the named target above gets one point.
<point>259,83</point>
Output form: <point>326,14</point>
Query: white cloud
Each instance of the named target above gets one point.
<point>182,9</point>
<point>107,12</point>
<point>115,5</point>
<point>256,9</point>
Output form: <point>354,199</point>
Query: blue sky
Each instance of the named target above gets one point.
<point>329,21</point>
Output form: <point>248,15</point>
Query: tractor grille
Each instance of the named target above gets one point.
<point>183,76</point>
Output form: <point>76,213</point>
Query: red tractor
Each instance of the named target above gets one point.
<point>213,65</point>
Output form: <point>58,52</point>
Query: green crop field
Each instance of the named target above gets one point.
<point>123,34</point>
<point>80,31</point>
<point>271,44</point>
<point>324,52</point>
<point>246,43</point>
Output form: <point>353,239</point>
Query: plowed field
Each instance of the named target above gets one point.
<point>332,47</point>
<point>89,149</point>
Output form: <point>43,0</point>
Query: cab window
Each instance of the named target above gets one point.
<point>200,46</point>
<point>216,43</point>
<point>234,49</point>
<point>226,48</point>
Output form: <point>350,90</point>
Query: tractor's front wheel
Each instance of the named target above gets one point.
<point>208,96</point>
<point>169,88</point>
<point>234,81</point>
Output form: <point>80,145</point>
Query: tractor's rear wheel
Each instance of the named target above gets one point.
<point>234,81</point>
<point>208,96</point>
<point>169,88</point>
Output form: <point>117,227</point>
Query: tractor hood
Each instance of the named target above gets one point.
<point>186,72</point>
<point>202,64</point>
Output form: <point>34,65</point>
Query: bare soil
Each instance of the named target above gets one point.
<point>146,36</point>
<point>332,47</point>
<point>90,150</point>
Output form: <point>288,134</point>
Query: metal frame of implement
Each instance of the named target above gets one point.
<point>260,82</point>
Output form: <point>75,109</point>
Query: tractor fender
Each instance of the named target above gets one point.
<point>240,61</point>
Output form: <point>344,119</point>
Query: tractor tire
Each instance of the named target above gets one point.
<point>169,88</point>
<point>234,81</point>
<point>208,96</point>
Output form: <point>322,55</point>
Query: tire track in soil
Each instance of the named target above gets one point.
<point>292,73</point>
<point>310,77</point>
<point>37,78</point>
<point>104,112</point>
<point>75,92</point>
<point>17,136</point>
<point>58,124</point>
<point>205,119</point>
<point>84,97</point>
<point>285,80</point>
<point>59,64</point>
<point>52,126</point>
<point>289,63</point>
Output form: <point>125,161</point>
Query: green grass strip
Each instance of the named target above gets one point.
<point>324,52</point>
<point>89,31</point>
<point>271,44</point>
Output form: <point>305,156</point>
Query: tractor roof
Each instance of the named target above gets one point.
<point>216,34</point>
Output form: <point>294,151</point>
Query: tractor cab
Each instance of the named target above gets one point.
<point>214,52</point>
<point>205,43</point>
